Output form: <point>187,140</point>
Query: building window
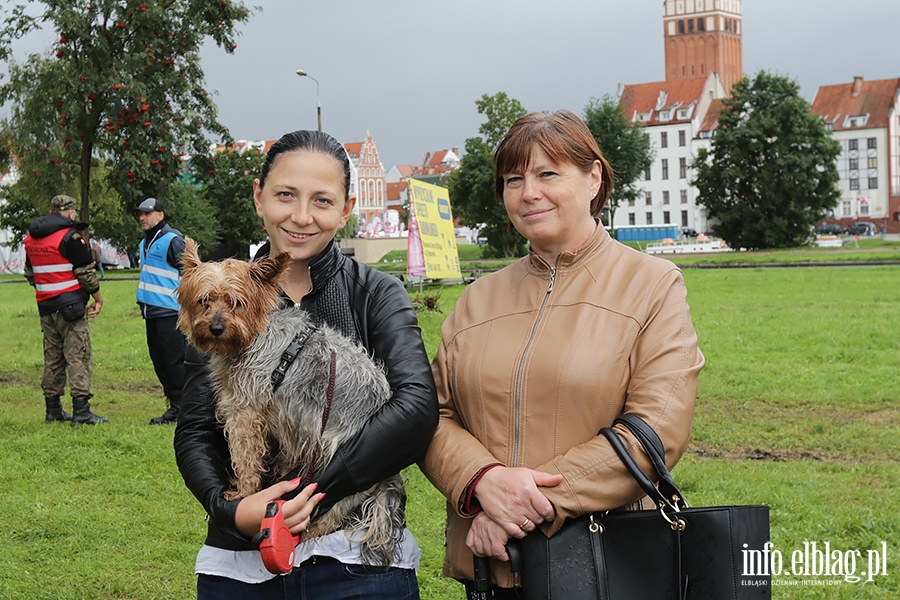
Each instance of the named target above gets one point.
<point>853,144</point>
<point>684,196</point>
<point>863,207</point>
<point>872,143</point>
<point>846,208</point>
<point>682,137</point>
<point>647,174</point>
<point>631,202</point>
<point>701,25</point>
<point>664,140</point>
<point>873,162</point>
<point>680,26</point>
<point>665,168</point>
<point>691,26</point>
<point>649,218</point>
<point>854,184</point>
<point>682,168</point>
<point>856,121</point>
<point>666,197</point>
<point>873,183</point>
<point>665,217</point>
<point>854,164</point>
<point>648,198</point>
<point>631,218</point>
<point>684,221</point>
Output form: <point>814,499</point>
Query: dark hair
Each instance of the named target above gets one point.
<point>564,137</point>
<point>314,141</point>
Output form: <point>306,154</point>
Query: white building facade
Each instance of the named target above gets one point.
<point>673,115</point>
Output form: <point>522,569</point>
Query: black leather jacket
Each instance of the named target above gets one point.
<point>394,438</point>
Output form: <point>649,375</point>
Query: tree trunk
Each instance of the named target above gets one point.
<point>86,150</point>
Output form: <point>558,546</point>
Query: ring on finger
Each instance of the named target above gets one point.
<point>525,523</point>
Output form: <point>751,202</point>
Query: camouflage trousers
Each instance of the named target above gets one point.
<point>67,347</point>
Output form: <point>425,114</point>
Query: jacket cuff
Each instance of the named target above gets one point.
<point>470,505</point>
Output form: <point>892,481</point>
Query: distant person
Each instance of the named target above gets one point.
<point>160,262</point>
<point>59,265</point>
<point>97,255</point>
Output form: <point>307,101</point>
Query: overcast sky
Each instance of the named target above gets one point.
<point>409,71</point>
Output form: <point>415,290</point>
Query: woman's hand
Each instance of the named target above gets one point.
<point>487,538</point>
<point>511,497</point>
<point>297,511</point>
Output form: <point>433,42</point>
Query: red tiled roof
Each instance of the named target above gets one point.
<point>393,190</point>
<point>353,149</point>
<point>645,97</point>
<point>406,171</point>
<point>436,159</point>
<point>873,98</point>
<point>711,120</point>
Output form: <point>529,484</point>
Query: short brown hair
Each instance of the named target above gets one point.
<point>564,137</point>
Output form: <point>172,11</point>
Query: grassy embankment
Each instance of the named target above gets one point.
<point>798,408</point>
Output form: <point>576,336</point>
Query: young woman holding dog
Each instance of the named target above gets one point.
<point>302,196</point>
<point>537,358</point>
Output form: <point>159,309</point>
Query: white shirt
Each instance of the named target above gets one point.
<point>247,565</point>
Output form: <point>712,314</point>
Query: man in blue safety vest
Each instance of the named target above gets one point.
<point>160,256</point>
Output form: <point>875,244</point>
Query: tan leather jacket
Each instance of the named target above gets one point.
<point>536,359</point>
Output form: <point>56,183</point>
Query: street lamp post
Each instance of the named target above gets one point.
<point>303,73</point>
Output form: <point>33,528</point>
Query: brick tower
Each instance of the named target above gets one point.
<point>703,36</point>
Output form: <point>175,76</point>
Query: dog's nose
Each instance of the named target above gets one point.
<point>216,329</point>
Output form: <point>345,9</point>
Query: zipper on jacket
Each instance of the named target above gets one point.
<point>517,409</point>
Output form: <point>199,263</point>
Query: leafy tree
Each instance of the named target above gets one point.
<point>349,229</point>
<point>226,180</point>
<point>770,172</point>
<point>625,146</point>
<point>30,196</point>
<point>122,86</point>
<point>472,185</point>
<point>189,210</point>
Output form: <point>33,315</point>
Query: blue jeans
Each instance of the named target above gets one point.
<point>324,580</point>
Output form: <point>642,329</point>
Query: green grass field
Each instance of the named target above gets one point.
<point>798,408</point>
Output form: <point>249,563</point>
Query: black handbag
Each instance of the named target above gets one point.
<point>674,552</point>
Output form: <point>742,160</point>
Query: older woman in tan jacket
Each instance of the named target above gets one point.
<point>540,356</point>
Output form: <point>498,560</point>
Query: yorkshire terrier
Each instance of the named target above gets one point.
<point>280,413</point>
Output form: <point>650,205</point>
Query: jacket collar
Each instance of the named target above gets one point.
<point>321,268</point>
<point>325,265</point>
<point>567,260</point>
<point>151,233</point>
<point>51,223</point>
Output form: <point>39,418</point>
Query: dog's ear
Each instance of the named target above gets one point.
<point>190,258</point>
<point>269,269</point>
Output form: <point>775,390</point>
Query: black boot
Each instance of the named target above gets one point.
<point>82,412</point>
<point>55,410</point>
<point>171,414</point>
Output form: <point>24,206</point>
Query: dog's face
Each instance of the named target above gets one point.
<point>226,305</point>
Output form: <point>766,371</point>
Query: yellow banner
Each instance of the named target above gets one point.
<point>431,206</point>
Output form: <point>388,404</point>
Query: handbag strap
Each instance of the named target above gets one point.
<point>667,494</point>
<point>655,450</point>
